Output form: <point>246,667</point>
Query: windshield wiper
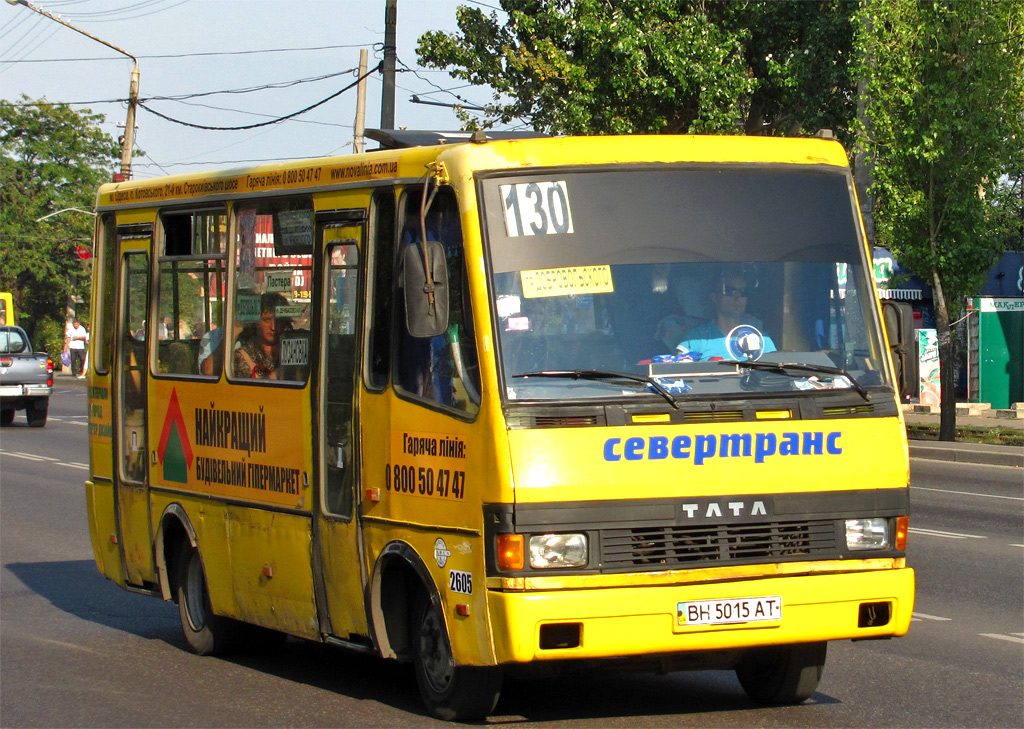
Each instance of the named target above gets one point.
<point>605,375</point>
<point>783,368</point>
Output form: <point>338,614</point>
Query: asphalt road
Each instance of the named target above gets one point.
<point>76,651</point>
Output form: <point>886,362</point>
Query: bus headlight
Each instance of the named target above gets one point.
<point>558,550</point>
<point>867,533</point>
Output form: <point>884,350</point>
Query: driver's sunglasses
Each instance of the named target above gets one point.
<point>733,290</point>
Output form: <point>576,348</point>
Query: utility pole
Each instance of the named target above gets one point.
<point>387,94</point>
<point>359,142</point>
<point>128,140</point>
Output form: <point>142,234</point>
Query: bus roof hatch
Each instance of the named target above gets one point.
<point>402,138</point>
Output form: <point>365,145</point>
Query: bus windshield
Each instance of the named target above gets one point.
<point>710,280</point>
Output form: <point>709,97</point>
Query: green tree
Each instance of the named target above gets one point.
<point>945,126</point>
<point>656,66</point>
<point>51,158</point>
<point>800,55</point>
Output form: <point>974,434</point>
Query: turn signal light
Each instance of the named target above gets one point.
<point>902,527</point>
<point>510,552</point>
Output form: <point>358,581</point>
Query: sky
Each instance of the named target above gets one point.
<point>276,57</point>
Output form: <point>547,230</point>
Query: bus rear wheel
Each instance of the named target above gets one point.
<point>450,692</point>
<point>787,674</point>
<point>207,634</point>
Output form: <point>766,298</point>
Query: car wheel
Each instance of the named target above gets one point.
<point>36,413</point>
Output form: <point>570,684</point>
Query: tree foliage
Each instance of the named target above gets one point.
<point>656,66</point>
<point>945,111</point>
<point>51,158</point>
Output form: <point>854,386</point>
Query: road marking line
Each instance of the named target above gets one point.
<point>28,456</point>
<point>944,535</point>
<point>46,459</point>
<point>926,616</point>
<point>997,636</point>
<point>69,420</point>
<point>968,493</point>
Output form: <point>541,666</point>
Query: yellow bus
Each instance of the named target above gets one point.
<point>498,405</point>
<point>7,309</point>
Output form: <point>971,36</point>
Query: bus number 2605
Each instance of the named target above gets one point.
<point>425,481</point>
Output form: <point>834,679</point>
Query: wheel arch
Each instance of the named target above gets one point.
<point>399,578</point>
<point>175,527</point>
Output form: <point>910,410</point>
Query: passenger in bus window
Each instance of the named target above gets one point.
<point>259,346</point>
<point>211,351</point>
<point>729,298</point>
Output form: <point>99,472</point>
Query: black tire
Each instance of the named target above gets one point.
<point>207,634</point>
<point>450,692</point>
<point>36,413</point>
<point>6,417</point>
<point>787,674</point>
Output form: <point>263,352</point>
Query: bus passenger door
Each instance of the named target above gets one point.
<point>341,575</point>
<point>131,372</point>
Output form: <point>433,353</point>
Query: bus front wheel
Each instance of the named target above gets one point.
<point>206,633</point>
<point>450,692</point>
<point>787,674</point>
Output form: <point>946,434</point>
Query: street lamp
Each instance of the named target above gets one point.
<point>128,141</point>
<point>64,210</point>
<point>83,252</point>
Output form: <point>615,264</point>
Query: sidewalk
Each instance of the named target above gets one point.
<point>993,455</point>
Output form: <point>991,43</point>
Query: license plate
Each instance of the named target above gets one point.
<point>730,611</point>
<point>11,390</point>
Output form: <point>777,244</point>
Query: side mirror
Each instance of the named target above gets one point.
<point>898,317</point>
<point>426,298</point>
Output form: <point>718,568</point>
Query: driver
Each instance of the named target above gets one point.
<point>729,299</point>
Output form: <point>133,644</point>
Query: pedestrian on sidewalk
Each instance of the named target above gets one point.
<point>76,346</point>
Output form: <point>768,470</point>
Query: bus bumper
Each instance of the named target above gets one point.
<point>638,621</point>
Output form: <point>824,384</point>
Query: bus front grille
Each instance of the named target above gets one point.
<point>658,548</point>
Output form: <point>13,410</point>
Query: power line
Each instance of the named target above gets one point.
<point>198,94</point>
<point>95,16</point>
<point>266,123</point>
<point>221,162</point>
<point>250,89</point>
<point>192,55</point>
<point>484,5</point>
<point>266,116</point>
<point>80,17</point>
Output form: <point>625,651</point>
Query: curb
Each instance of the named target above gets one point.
<point>989,455</point>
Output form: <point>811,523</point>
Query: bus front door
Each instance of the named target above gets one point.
<point>342,577</point>
<point>131,371</point>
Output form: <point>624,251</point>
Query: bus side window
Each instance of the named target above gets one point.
<point>190,278</point>
<point>341,318</point>
<point>379,289</point>
<point>441,369</point>
<point>273,290</point>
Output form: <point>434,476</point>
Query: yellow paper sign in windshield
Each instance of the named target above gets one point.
<point>564,281</point>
